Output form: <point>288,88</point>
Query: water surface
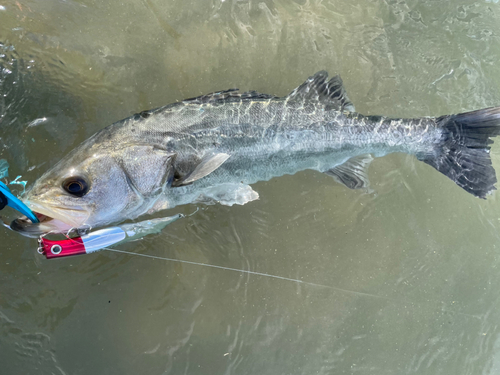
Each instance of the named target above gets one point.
<point>400,281</point>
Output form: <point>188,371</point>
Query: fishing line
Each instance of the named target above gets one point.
<point>251,273</point>
<point>410,303</point>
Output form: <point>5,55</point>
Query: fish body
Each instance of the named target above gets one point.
<point>212,148</point>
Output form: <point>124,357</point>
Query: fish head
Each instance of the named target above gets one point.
<point>97,184</point>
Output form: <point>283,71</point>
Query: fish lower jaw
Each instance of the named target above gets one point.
<point>46,225</point>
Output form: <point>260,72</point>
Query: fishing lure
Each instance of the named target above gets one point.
<point>98,240</point>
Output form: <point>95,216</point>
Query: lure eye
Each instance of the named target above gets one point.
<point>76,186</point>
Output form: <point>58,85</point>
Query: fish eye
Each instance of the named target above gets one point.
<point>76,186</point>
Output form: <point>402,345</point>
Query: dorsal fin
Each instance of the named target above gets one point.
<point>329,93</point>
<point>231,95</point>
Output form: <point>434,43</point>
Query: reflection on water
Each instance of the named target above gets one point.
<point>401,281</point>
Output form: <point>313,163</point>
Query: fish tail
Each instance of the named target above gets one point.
<point>464,153</point>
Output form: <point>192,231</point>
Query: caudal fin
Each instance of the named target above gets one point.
<point>464,154</point>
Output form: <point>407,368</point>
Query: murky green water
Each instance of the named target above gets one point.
<point>402,281</point>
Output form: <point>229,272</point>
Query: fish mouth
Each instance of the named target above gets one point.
<point>52,219</point>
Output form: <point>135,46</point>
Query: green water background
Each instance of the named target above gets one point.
<point>409,274</point>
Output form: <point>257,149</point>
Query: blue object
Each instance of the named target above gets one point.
<point>8,199</point>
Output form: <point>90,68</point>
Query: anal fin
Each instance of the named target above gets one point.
<point>352,173</point>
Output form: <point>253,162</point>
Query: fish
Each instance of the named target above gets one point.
<point>212,148</point>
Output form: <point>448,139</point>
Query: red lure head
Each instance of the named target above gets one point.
<point>62,248</point>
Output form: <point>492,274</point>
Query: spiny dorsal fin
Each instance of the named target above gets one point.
<point>231,95</point>
<point>329,93</point>
<point>206,166</point>
<point>353,173</point>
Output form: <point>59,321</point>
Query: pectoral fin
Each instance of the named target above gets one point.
<point>352,173</point>
<point>206,166</point>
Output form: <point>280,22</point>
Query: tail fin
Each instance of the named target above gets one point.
<point>464,154</point>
